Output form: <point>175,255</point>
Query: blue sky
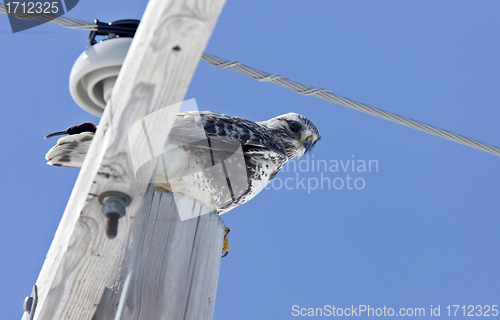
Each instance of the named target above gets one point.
<point>422,231</point>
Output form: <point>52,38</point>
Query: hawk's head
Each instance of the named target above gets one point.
<point>295,131</point>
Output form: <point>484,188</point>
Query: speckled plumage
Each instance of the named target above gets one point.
<point>220,160</point>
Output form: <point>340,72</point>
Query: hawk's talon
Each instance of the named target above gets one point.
<point>225,243</point>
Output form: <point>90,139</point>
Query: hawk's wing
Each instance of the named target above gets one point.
<point>230,158</point>
<point>224,133</point>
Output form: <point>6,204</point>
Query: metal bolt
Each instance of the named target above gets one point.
<point>113,208</point>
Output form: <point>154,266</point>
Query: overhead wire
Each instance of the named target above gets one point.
<point>287,83</point>
<point>330,96</point>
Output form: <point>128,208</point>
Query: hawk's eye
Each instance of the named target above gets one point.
<point>294,126</point>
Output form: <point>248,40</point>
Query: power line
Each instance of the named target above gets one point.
<point>287,83</point>
<point>330,96</point>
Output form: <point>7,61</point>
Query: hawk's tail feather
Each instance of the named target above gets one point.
<point>70,151</point>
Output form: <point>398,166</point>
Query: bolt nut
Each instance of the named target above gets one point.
<point>114,204</point>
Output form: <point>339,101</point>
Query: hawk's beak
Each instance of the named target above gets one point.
<point>307,143</point>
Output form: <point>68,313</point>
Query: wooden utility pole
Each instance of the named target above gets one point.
<point>173,268</point>
<point>80,270</point>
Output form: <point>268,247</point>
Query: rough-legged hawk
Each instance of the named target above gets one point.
<point>232,162</point>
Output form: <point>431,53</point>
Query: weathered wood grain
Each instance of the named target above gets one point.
<point>156,73</point>
<point>176,268</point>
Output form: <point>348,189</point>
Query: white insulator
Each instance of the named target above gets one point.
<point>94,73</point>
